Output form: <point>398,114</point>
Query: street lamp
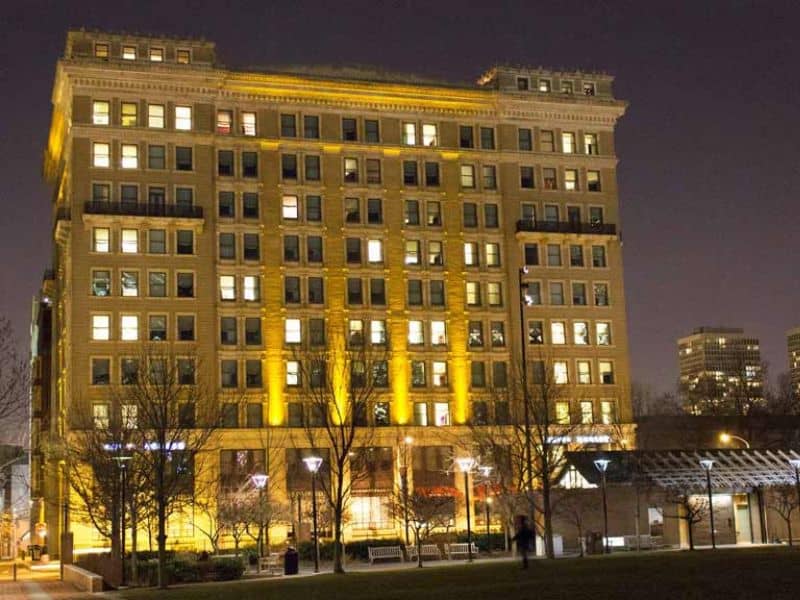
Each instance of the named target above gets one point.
<point>122,462</point>
<point>707,465</point>
<point>726,439</point>
<point>313,463</point>
<point>465,465</point>
<point>526,300</point>
<point>486,471</point>
<point>795,462</point>
<point>260,482</point>
<point>407,441</point>
<point>601,464</point>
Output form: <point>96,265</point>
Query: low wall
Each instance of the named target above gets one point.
<point>82,579</point>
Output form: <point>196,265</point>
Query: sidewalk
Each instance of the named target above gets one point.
<point>39,590</point>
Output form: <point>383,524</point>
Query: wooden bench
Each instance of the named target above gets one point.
<point>460,549</point>
<point>270,564</point>
<point>427,550</point>
<point>381,552</point>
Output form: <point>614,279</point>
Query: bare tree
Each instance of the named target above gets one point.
<point>427,511</point>
<point>782,399</point>
<point>341,386</point>
<point>690,509</point>
<point>236,513</point>
<point>14,380</point>
<point>783,500</point>
<point>574,505</point>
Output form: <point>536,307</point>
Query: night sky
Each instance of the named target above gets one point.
<point>708,150</point>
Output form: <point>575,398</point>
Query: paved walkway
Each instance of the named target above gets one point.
<point>39,590</point>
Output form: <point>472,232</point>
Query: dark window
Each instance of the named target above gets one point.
<point>480,410</point>
<point>349,130</point>
<point>526,178</point>
<point>157,325</point>
<point>183,158</point>
<point>353,250</point>
<point>373,170</point>
<point>291,290</point>
<point>490,216</point>
<point>377,292</point>
<point>186,371</point>
<point>313,208</point>
<point>291,248</point>
<point>487,138</point>
<point>412,212</point>
<point>372,132</point>
<point>227,245</point>
<point>288,166</point>
<point>410,173</point>
<point>225,163</point>
<point>253,374</point>
<point>352,210</point>
<point>314,249</point>
<point>250,205</point>
<point>575,256</point>
<point>316,332</point>
<point>316,293</point>
<point>185,328</point>
<point>255,415</point>
<point>431,174</point>
<point>477,374</point>
<point>288,126</point>
<point>158,284</point>
<point>129,194</point>
<point>156,196</point>
<point>252,331</point>
<point>230,415</point>
<point>312,168</point>
<point>437,292</point>
<point>101,371</point>
<point>249,164</point>
<point>227,205</point>
<point>185,285</point>
<point>184,200</point>
<point>185,241</point>
<point>374,211</point>
<point>129,371</point>
<point>470,214</point>
<point>522,83</point>
<point>295,416</point>
<point>499,374</point>
<point>525,139</point>
<point>311,127</point>
<point>227,331</point>
<point>354,291</point>
<point>465,137</point>
<point>251,247</point>
<point>414,292</point>
<point>531,254</point>
<point>156,157</point>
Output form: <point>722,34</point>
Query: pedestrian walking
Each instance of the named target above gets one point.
<point>523,538</point>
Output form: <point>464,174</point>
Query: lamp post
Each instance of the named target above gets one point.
<point>122,462</point>
<point>486,471</point>
<point>313,463</point>
<point>726,439</point>
<point>407,441</point>
<point>465,465</point>
<point>601,464</point>
<point>260,482</point>
<point>707,465</point>
<point>526,300</point>
<point>795,462</point>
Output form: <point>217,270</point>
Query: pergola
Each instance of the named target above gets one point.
<point>733,469</point>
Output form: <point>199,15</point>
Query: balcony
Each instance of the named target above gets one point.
<point>142,210</point>
<point>566,227</point>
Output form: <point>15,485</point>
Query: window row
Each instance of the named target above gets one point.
<point>585,412</point>
<point>153,195</point>
<point>131,156</point>
<point>553,214</point>
<point>533,295</point>
<point>127,371</point>
<point>132,283</point>
<point>551,178</point>
<point>569,142</point>
<point>135,241</point>
<point>134,327</point>
<point>154,116</point>
<point>553,255</point>
<point>580,333</point>
<point>157,54</point>
<point>544,85</point>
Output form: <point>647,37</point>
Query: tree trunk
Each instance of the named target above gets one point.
<point>419,551</point>
<point>691,537</point>
<point>548,518</point>
<point>789,527</point>
<point>134,537</point>
<point>338,567</point>
<point>638,518</point>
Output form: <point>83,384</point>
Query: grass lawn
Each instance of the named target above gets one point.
<point>772,573</point>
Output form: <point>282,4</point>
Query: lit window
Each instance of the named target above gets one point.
<point>130,283</point>
<point>377,332</point>
<point>590,143</point>
<point>183,57</point>
<point>227,287</point>
<point>130,241</point>
<point>584,372</point>
<point>129,414</point>
<point>412,252</point>
<point>129,328</point>
<point>467,176</point>
<point>101,327</point>
<point>435,257</point>
<point>438,333</point>
<point>129,114</point>
<point>603,334</point>
<point>599,256</point>
<point>183,118</point>
<point>129,52</point>
<point>101,50</point>
<point>351,170</point>
<point>130,156</point>
<point>292,373</point>
<point>409,134</point>
<point>605,369</point>
<point>601,294</point>
<point>430,135</point>
<point>101,239</point>
<point>289,207</point>
<point>156,55</point>
<point>560,375</point>
<point>252,288</point>
<point>101,154</point>
<point>494,293</point>
<point>493,255</point>
<point>568,143</point>
<point>562,413</point>
<point>416,335</point>
<point>100,112</point>
<point>471,254</point>
<point>441,410</point>
<point>593,181</point>
<point>608,412</point>
<point>249,123</point>
<point>292,333</point>
<point>567,87</point>
<point>375,251</point>
<point>544,85</point>
<point>557,332</point>
<point>100,416</point>
<point>589,88</point>
<point>570,179</point>
<point>580,333</point>
<point>155,116</point>
<point>473,293</point>
<point>439,372</point>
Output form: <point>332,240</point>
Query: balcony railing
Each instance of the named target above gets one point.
<point>566,227</point>
<point>94,207</point>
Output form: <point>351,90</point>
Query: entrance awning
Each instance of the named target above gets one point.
<point>733,469</point>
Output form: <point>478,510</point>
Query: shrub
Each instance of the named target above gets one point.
<point>497,540</point>
<point>358,550</point>
<point>227,569</point>
<point>184,571</point>
<point>306,550</point>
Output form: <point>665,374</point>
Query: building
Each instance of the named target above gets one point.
<point>793,345</point>
<point>239,215</point>
<point>720,371</point>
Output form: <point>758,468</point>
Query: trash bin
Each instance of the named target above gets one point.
<point>290,562</point>
<point>594,542</point>
<point>36,552</point>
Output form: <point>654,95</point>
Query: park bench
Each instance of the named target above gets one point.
<point>454,550</point>
<point>270,564</point>
<point>646,542</point>
<point>381,552</point>
<point>427,550</point>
